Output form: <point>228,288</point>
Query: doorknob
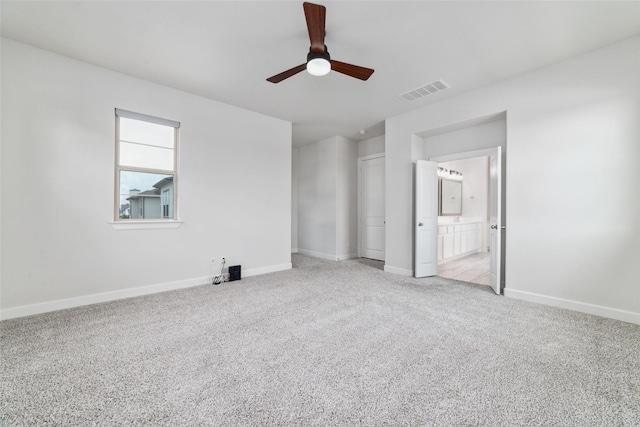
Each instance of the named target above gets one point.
<point>419,224</point>
<point>494,227</point>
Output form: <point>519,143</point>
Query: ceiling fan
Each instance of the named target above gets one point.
<point>319,63</point>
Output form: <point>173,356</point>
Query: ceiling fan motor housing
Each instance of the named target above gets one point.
<point>324,55</point>
<point>319,64</point>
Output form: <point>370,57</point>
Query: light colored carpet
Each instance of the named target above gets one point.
<point>327,343</point>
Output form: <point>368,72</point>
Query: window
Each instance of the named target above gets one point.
<point>146,167</point>
<point>166,198</point>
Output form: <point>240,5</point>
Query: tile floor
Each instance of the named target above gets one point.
<point>473,268</point>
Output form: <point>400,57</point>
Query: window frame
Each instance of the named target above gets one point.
<point>119,168</point>
<point>165,206</point>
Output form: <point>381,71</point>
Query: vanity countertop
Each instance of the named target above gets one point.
<point>451,221</point>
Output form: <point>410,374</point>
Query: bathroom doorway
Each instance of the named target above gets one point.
<point>480,137</point>
<point>463,218</point>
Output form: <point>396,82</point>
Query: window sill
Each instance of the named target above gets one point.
<point>144,225</point>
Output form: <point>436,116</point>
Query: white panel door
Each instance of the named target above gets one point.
<point>426,216</point>
<point>372,208</point>
<point>495,219</point>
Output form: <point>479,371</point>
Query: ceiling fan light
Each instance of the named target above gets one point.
<point>318,67</point>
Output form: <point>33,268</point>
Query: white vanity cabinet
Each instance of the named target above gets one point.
<point>456,240</point>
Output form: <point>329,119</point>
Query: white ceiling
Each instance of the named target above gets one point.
<point>225,50</point>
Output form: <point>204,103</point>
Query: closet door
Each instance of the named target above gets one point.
<point>372,209</point>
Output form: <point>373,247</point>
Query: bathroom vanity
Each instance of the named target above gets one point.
<point>456,239</point>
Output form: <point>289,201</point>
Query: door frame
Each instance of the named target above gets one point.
<point>487,152</point>
<point>360,222</point>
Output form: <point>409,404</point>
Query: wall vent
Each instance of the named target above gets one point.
<point>426,90</point>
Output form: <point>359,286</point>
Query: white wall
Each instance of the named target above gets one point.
<point>327,198</point>
<point>347,199</point>
<point>573,236</point>
<point>371,146</point>
<point>58,248</point>
<point>468,138</point>
<point>317,178</point>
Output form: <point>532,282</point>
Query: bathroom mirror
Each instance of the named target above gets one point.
<point>450,197</point>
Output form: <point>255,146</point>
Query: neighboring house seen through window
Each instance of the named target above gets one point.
<point>146,167</point>
<point>166,203</point>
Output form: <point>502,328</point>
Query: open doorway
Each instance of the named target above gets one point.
<point>463,217</point>
<point>428,219</point>
<point>480,137</point>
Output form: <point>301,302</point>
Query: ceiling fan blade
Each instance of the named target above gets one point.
<point>316,15</point>
<point>361,73</point>
<point>286,74</point>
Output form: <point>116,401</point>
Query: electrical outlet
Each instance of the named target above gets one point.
<point>213,260</point>
<point>223,258</point>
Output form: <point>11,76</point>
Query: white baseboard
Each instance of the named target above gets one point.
<point>61,304</point>
<point>318,254</point>
<point>265,270</point>
<point>598,310</point>
<point>328,256</point>
<point>294,250</point>
<point>397,270</point>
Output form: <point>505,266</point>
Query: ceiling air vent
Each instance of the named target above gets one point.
<point>426,90</point>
